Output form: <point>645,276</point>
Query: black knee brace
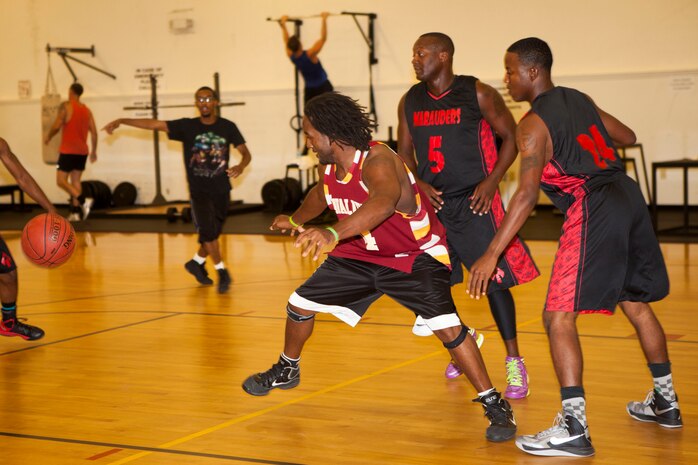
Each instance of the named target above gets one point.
<point>296,317</point>
<point>458,340</point>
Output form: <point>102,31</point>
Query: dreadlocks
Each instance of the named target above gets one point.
<point>341,119</point>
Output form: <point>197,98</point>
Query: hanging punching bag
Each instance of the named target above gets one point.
<point>50,104</point>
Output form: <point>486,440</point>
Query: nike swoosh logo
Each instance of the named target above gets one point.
<point>560,441</point>
<point>659,412</point>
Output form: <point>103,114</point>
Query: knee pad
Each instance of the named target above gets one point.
<point>297,317</point>
<point>458,340</point>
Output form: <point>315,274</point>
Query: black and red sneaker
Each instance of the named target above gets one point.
<point>14,327</point>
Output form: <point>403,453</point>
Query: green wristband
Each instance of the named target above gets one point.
<point>293,223</point>
<point>334,233</point>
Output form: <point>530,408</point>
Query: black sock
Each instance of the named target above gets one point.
<point>9,311</point>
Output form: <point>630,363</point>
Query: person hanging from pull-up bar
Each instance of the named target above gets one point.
<point>307,61</point>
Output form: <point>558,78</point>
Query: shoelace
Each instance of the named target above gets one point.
<point>271,374</point>
<point>649,399</point>
<point>496,413</point>
<point>514,377</point>
<point>559,424</point>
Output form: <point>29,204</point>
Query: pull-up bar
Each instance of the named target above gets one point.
<point>369,38</point>
<point>63,52</point>
<point>372,60</point>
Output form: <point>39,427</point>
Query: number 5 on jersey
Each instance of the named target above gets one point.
<point>436,158</point>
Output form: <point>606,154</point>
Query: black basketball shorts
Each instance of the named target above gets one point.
<point>209,212</point>
<point>346,288</point>
<point>608,253</point>
<point>69,162</point>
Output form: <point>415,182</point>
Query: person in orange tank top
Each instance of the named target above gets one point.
<point>76,120</point>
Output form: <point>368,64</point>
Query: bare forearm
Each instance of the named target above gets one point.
<point>518,211</point>
<point>313,205</point>
<point>144,123</point>
<point>371,214</point>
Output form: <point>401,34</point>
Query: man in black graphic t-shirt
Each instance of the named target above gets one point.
<point>205,142</point>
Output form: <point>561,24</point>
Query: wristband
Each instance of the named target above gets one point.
<point>334,233</point>
<point>293,223</point>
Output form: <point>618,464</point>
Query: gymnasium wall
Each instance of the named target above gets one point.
<point>637,59</point>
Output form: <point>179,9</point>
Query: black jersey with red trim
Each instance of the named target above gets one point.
<point>583,152</point>
<point>454,145</point>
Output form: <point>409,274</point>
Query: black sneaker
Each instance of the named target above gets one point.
<point>14,327</point>
<point>656,408</point>
<point>199,272</point>
<point>224,281</point>
<point>566,438</point>
<point>498,412</point>
<point>283,375</point>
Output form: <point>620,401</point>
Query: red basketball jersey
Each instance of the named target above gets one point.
<point>398,240</point>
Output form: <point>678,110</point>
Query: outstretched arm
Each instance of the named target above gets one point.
<point>317,46</point>
<point>535,148</point>
<point>142,123</point>
<point>25,180</point>
<point>500,119</point>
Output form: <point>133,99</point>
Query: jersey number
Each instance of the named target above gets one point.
<point>596,146</point>
<point>436,158</point>
<point>370,241</point>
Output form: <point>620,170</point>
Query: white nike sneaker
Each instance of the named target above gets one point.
<point>566,438</point>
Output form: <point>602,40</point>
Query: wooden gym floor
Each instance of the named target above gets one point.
<point>141,365</point>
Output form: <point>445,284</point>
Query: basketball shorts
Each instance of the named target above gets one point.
<point>346,288</point>
<point>469,236</point>
<point>209,212</point>
<point>608,253</point>
<point>7,263</point>
<point>69,162</point>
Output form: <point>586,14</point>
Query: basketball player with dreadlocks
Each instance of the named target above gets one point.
<point>446,134</point>
<point>388,241</point>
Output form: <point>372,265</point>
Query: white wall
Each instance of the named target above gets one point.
<point>594,41</point>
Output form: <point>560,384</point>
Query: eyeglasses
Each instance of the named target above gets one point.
<point>204,99</point>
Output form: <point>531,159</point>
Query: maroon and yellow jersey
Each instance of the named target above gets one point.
<point>398,240</point>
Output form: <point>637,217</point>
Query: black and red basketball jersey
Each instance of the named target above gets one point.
<point>398,240</point>
<point>583,152</point>
<point>455,146</point>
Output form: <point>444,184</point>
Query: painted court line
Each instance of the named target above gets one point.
<point>273,408</point>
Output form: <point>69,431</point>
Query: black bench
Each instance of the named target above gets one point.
<point>10,190</point>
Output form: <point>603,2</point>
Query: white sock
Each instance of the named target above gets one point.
<point>220,265</point>
<point>199,259</point>
<point>484,393</point>
<point>289,359</point>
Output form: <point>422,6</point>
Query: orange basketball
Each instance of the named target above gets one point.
<point>48,240</point>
